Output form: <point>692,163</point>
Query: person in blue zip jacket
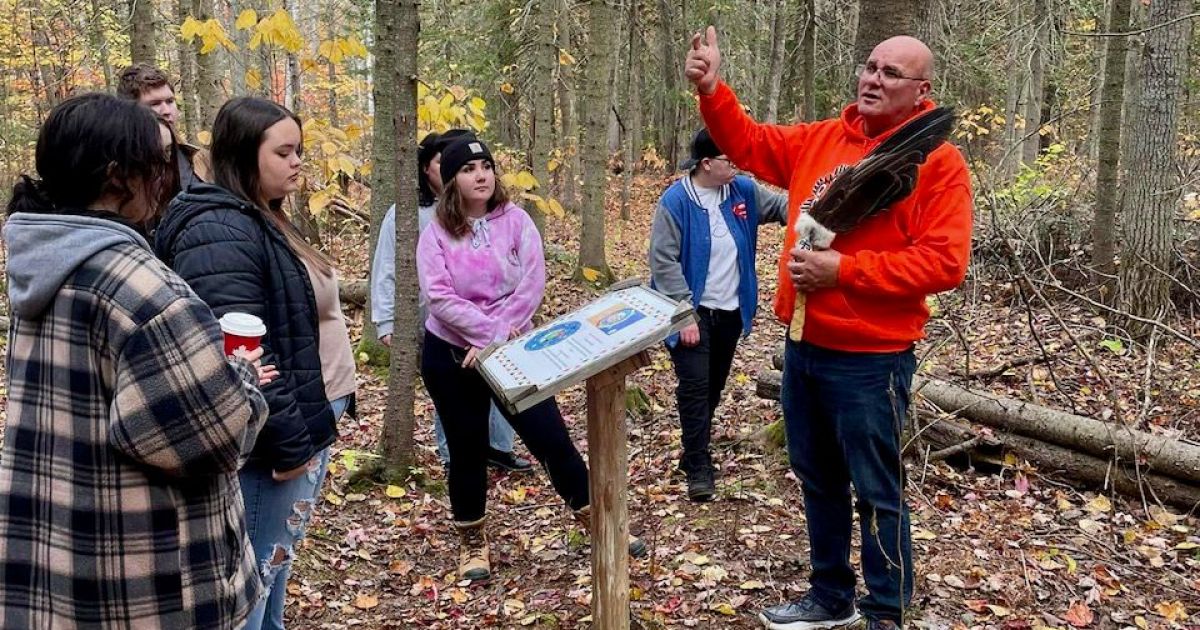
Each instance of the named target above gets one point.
<point>702,250</point>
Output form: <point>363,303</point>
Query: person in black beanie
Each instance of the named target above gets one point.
<point>383,289</point>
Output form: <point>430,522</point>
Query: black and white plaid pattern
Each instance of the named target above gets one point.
<point>119,499</point>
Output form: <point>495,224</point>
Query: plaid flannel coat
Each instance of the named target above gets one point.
<point>119,499</point>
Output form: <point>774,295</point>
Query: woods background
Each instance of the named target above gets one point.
<point>1079,120</point>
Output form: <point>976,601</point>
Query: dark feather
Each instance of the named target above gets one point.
<point>886,175</point>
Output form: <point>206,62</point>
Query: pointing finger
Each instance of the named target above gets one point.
<point>696,41</point>
<point>710,36</point>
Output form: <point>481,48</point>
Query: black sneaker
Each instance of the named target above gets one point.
<point>508,461</point>
<point>700,486</point>
<point>807,613</point>
<point>882,624</point>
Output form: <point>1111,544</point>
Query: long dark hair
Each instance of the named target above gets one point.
<point>450,211</point>
<point>92,146</point>
<point>238,131</point>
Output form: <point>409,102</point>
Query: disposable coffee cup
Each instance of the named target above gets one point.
<point>242,330</point>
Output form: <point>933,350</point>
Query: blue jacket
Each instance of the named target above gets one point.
<point>680,243</point>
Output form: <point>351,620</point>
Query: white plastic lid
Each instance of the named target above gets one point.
<point>243,325</point>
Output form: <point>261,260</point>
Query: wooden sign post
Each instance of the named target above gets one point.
<point>608,453</point>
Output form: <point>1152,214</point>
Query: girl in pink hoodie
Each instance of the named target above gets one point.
<point>480,264</point>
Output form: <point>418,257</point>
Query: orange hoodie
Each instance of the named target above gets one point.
<point>891,261</point>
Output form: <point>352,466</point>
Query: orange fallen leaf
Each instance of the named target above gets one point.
<point>1079,615</point>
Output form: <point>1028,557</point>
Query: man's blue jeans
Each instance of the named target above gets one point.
<point>844,412</point>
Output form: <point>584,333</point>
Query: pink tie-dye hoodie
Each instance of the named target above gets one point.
<point>485,284</point>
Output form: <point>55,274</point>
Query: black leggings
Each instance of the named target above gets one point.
<point>462,399</point>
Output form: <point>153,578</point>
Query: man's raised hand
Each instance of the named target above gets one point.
<point>703,64</point>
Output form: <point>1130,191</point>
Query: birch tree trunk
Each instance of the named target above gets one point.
<point>1151,174</point>
<point>602,22</point>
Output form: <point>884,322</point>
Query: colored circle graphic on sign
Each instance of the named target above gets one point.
<point>552,336</point>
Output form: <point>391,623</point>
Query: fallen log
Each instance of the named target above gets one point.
<point>1164,455</point>
<point>949,437</point>
<point>1052,458</point>
<point>353,292</point>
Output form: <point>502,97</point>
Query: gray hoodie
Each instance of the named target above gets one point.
<point>45,249</point>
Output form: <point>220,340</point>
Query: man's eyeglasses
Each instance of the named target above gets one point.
<point>723,159</point>
<point>887,73</point>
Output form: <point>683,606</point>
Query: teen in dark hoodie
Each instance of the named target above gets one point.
<point>125,421</point>
<point>232,242</point>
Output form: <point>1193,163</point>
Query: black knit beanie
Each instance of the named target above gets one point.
<point>458,153</point>
<point>448,138</point>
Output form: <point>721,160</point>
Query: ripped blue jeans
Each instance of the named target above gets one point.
<point>277,515</point>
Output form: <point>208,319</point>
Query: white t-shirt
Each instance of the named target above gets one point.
<point>721,287</point>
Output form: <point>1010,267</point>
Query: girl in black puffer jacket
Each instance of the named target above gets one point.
<point>233,244</point>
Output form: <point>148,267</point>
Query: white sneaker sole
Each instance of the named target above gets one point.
<point>810,625</point>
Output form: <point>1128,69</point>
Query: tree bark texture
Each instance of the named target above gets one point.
<point>881,19</point>
<point>384,95</point>
<point>209,87</point>
<point>1112,101</point>
<point>396,440</point>
<point>1039,29</point>
<point>545,58</point>
<point>775,73</point>
<point>142,31</point>
<point>1151,175</point>
<point>187,92</point>
<point>601,21</point>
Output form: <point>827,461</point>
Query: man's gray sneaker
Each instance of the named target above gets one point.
<point>807,613</point>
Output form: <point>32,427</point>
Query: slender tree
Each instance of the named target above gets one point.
<point>601,24</point>
<point>1112,101</point>
<point>399,23</point>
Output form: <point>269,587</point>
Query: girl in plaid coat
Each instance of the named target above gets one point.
<point>126,423</point>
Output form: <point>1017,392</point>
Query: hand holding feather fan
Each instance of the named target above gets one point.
<point>886,175</point>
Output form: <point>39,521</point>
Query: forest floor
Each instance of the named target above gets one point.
<point>1007,547</point>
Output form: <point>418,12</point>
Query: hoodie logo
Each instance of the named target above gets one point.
<point>739,211</point>
<point>821,185</point>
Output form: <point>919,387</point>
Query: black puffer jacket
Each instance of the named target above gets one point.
<point>236,260</point>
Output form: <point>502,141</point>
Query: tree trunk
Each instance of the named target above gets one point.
<point>601,21</point>
<point>810,59</point>
<point>188,92</point>
<point>1037,73</point>
<point>1163,455</point>
<point>142,32</point>
<point>668,105</point>
<point>1099,472</point>
<point>1112,101</point>
<point>396,439</point>
<point>881,19</point>
<point>545,57</point>
<point>774,74</point>
<point>508,118</point>
<point>569,110</point>
<point>633,107</point>
<point>1151,174</point>
<point>208,75</point>
<point>384,94</point>
<point>241,39</point>
<point>633,110</point>
<point>96,35</point>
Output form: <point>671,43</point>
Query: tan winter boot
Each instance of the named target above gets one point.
<point>583,516</point>
<point>474,555</point>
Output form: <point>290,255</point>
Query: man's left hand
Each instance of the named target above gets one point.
<point>814,269</point>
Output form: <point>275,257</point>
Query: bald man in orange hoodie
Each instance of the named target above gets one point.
<point>846,382</point>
